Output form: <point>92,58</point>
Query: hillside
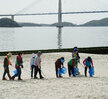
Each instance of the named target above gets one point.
<point>6,22</point>
<point>64,24</point>
<point>102,22</point>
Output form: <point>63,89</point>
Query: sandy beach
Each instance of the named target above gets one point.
<point>53,88</point>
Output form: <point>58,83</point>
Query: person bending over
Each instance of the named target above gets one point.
<point>59,65</point>
<point>72,65</point>
<point>88,62</point>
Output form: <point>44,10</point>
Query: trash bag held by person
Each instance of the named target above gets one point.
<point>6,66</point>
<point>32,65</point>
<point>91,71</point>
<point>18,66</point>
<point>72,65</point>
<point>38,66</point>
<point>58,66</point>
<point>88,62</point>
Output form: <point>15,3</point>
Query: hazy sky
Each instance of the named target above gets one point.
<point>39,6</point>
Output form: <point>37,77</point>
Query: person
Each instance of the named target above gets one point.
<point>32,64</point>
<point>75,52</point>
<point>38,66</point>
<point>72,66</point>
<point>18,66</point>
<point>88,62</point>
<point>6,66</point>
<point>58,66</point>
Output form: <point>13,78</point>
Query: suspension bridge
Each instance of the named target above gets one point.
<point>59,13</point>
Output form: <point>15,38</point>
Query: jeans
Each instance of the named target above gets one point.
<point>18,73</point>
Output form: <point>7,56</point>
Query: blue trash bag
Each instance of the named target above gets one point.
<point>91,71</point>
<point>75,72</point>
<point>15,71</point>
<point>63,70</point>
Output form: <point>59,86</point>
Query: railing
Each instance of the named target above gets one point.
<point>91,50</point>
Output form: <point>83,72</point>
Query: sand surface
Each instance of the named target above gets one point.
<point>53,88</point>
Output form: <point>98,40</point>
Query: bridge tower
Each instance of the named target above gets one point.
<point>60,14</point>
<point>60,24</point>
<point>12,17</point>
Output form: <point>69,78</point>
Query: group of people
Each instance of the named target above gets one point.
<point>73,64</point>
<point>18,66</point>
<point>35,65</point>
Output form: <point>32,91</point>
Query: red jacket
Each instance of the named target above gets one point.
<point>19,61</point>
<point>58,63</point>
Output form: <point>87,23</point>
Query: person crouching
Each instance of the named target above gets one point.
<point>18,66</point>
<point>88,62</point>
<point>6,66</point>
<point>58,66</point>
<point>72,66</point>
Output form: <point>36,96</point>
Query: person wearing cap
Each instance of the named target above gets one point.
<point>18,66</point>
<point>72,66</point>
<point>6,66</point>
<point>32,65</point>
<point>59,65</point>
<point>38,65</point>
<point>75,52</point>
<point>88,62</point>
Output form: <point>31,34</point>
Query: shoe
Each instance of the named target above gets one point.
<point>10,79</point>
<point>69,75</point>
<point>20,79</point>
<point>31,77</point>
<point>35,77</point>
<point>60,76</point>
<point>4,79</point>
<point>41,77</point>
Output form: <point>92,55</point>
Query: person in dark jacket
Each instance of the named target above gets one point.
<point>59,65</point>
<point>18,66</point>
<point>6,66</point>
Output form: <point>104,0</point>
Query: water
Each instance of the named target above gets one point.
<point>33,38</point>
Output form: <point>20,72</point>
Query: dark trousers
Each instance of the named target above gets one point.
<point>18,73</point>
<point>6,71</point>
<point>56,70</point>
<point>32,70</point>
<point>37,69</point>
<point>70,70</point>
<point>86,69</point>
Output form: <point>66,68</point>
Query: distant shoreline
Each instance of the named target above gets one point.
<point>6,22</point>
<point>90,50</point>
